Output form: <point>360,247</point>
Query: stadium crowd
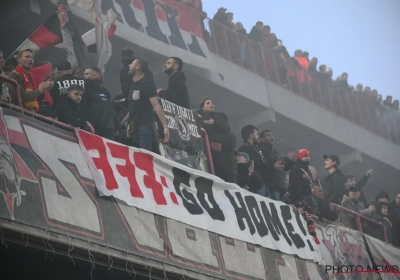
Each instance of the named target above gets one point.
<point>59,92</point>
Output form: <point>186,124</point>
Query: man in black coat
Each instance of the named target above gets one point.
<point>127,57</point>
<point>250,147</point>
<point>276,176</point>
<point>69,109</point>
<point>256,31</point>
<point>333,184</point>
<point>248,178</point>
<point>94,84</point>
<point>394,217</point>
<point>177,91</point>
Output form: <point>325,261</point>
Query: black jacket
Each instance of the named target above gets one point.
<point>394,217</point>
<point>126,79</point>
<point>102,116</point>
<point>360,184</point>
<point>255,34</point>
<point>260,163</point>
<point>325,212</point>
<point>276,179</point>
<point>253,182</point>
<point>71,113</point>
<point>97,87</point>
<point>334,187</point>
<point>218,131</point>
<point>177,91</point>
<point>300,182</point>
<point>59,90</point>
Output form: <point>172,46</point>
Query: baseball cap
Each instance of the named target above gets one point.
<point>245,155</point>
<point>65,65</point>
<point>352,189</point>
<point>334,158</point>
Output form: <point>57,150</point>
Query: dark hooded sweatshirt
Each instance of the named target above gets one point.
<point>177,91</point>
<point>334,187</point>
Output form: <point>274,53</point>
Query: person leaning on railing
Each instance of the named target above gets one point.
<point>380,216</point>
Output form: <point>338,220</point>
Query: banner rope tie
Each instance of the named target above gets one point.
<point>110,260</point>
<point>48,243</point>
<point>45,244</point>
<point>70,248</point>
<point>92,261</point>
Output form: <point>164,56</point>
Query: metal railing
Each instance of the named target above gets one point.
<point>358,217</point>
<point>272,65</point>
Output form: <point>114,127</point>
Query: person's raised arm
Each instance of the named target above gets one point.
<point>160,113</point>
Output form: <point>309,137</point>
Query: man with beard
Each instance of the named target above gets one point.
<point>250,147</point>
<point>276,176</point>
<point>333,184</point>
<point>29,90</point>
<point>142,102</point>
<point>127,56</point>
<point>177,91</point>
<point>94,84</point>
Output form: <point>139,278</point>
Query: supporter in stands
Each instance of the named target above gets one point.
<point>333,184</point>
<point>306,56</point>
<point>342,82</point>
<point>228,146</point>
<point>248,178</point>
<point>301,184</point>
<point>127,57</point>
<point>322,69</point>
<point>219,133</point>
<point>382,197</point>
<point>380,216</point>
<point>177,91</point>
<point>256,32</point>
<point>303,62</point>
<point>275,176</point>
<point>250,147</point>
<point>94,84</point>
<point>63,82</point>
<point>351,182</point>
<point>358,90</point>
<point>242,44</point>
<point>229,18</point>
<point>266,39</point>
<point>394,217</point>
<point>221,17</point>
<point>312,67</point>
<point>100,113</point>
<point>351,202</point>
<point>29,90</point>
<point>69,109</point>
<point>388,101</point>
<point>142,102</point>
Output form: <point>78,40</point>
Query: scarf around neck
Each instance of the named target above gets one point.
<point>29,84</point>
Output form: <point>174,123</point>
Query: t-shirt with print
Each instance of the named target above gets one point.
<point>140,108</point>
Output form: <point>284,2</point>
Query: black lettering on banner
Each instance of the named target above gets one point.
<point>204,186</point>
<point>274,221</point>
<point>109,4</point>
<point>287,216</point>
<point>189,201</point>
<point>255,213</point>
<point>241,212</point>
<point>153,27</point>
<point>194,47</point>
<point>129,15</point>
<point>171,14</point>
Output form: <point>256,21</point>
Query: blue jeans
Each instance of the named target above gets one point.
<point>264,191</point>
<point>146,137</point>
<point>277,196</point>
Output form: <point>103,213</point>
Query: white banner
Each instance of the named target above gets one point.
<point>155,184</point>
